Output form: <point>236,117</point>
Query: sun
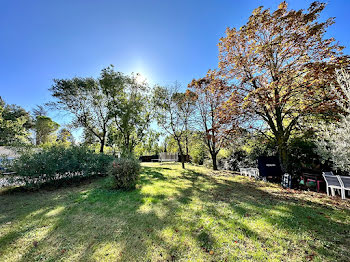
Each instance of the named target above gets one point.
<point>140,79</point>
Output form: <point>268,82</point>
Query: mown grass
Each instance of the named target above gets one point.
<point>174,215</point>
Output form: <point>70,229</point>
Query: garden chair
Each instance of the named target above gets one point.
<point>330,173</point>
<point>249,172</point>
<point>332,182</point>
<point>243,171</point>
<point>254,172</point>
<point>345,183</point>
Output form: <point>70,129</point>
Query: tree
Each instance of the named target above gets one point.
<point>333,141</point>
<point>342,91</point>
<point>170,116</point>
<point>64,135</point>
<point>39,110</point>
<point>89,138</point>
<point>209,98</point>
<point>45,129</point>
<point>197,148</point>
<point>149,145</point>
<point>279,66</point>
<point>186,106</point>
<point>14,124</point>
<point>87,101</point>
<point>170,144</point>
<point>129,109</point>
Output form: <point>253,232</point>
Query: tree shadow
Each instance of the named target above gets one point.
<point>139,225</point>
<point>294,215</point>
<point>150,173</point>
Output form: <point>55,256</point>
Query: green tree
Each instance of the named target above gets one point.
<point>86,100</point>
<point>129,108</point>
<point>149,145</point>
<point>39,110</point>
<point>64,135</point>
<point>45,129</point>
<point>186,105</point>
<point>15,123</point>
<point>114,99</point>
<point>170,116</point>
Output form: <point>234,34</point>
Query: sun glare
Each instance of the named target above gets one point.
<point>140,79</point>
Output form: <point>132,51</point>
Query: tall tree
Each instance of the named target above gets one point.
<point>87,101</point>
<point>186,106</point>
<point>333,140</point>
<point>170,116</point>
<point>129,107</point>
<point>39,110</point>
<point>64,135</point>
<point>15,123</point>
<point>209,99</point>
<point>45,129</point>
<point>279,66</point>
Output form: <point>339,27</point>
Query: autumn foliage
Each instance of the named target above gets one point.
<point>209,99</point>
<point>279,67</point>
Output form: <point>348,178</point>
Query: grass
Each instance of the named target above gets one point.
<point>174,215</point>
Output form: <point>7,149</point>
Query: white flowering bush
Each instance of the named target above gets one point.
<point>334,144</point>
<point>334,139</point>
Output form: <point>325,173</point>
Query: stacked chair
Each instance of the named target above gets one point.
<point>334,182</point>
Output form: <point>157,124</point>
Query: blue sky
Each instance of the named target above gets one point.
<point>163,40</point>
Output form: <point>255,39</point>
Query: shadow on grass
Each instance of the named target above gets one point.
<point>321,223</point>
<point>116,225</point>
<point>149,175</point>
<point>50,186</point>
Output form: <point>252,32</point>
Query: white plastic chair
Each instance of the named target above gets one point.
<point>333,182</point>
<point>243,171</point>
<point>345,183</point>
<point>254,172</point>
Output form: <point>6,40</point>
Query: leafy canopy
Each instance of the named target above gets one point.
<point>279,66</point>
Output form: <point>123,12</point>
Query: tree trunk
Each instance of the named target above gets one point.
<point>213,157</point>
<point>186,141</point>
<point>283,154</point>
<point>102,145</point>
<point>181,154</point>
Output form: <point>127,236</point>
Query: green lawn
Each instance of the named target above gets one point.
<point>174,215</point>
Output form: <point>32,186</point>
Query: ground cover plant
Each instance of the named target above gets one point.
<point>174,215</point>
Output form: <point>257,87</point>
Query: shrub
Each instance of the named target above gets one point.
<point>237,160</point>
<point>59,163</point>
<point>125,173</point>
<point>333,144</point>
<point>303,156</point>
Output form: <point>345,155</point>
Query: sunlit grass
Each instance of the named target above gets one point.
<point>174,214</point>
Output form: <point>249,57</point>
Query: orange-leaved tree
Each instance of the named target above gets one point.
<point>279,66</point>
<point>210,97</point>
